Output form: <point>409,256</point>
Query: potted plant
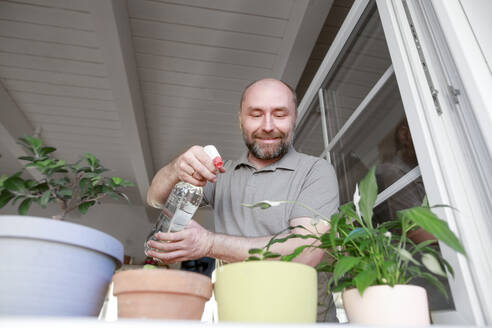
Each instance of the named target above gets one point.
<point>53,267</point>
<point>374,265</point>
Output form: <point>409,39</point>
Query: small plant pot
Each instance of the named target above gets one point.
<point>266,291</point>
<point>54,268</point>
<point>161,294</point>
<point>385,305</point>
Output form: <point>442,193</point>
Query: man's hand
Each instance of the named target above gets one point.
<point>196,167</point>
<point>191,243</point>
<point>193,166</point>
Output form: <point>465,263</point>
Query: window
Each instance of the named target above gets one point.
<point>371,113</point>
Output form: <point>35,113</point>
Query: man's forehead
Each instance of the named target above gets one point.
<point>270,84</point>
<point>275,92</point>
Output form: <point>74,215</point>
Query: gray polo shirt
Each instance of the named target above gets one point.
<point>296,176</point>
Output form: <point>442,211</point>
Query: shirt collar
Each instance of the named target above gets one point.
<point>287,162</point>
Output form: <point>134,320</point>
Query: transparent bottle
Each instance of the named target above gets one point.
<point>182,203</point>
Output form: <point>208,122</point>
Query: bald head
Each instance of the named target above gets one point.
<point>269,83</point>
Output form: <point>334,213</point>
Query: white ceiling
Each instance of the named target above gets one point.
<point>137,82</point>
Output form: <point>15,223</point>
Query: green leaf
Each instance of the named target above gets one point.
<point>324,267</point>
<point>342,285</point>
<point>422,245</point>
<point>95,180</point>
<point>448,266</point>
<point>26,158</point>
<point>127,183</point>
<point>296,253</point>
<point>428,221</point>
<point>348,210</point>
<point>60,182</point>
<point>425,202</point>
<point>255,251</point>
<point>3,177</point>
<point>264,204</point>
<point>58,164</point>
<point>334,220</point>
<point>124,196</point>
<point>365,279</point>
<point>18,198</point>
<point>29,184</point>
<point>354,234</point>
<point>83,183</point>
<point>14,184</point>
<point>290,236</point>
<point>65,192</point>
<point>5,197</point>
<point>24,206</point>
<point>116,180</point>
<point>46,150</point>
<point>344,265</point>
<point>45,198</point>
<point>85,206</point>
<point>253,258</point>
<point>91,159</point>
<point>406,256</point>
<point>271,255</point>
<point>114,195</point>
<point>34,142</point>
<point>368,189</point>
<point>433,280</point>
<point>45,163</point>
<point>432,264</point>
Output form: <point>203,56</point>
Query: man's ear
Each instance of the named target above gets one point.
<point>239,120</point>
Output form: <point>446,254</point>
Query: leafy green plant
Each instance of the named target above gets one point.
<point>361,254</point>
<point>72,186</point>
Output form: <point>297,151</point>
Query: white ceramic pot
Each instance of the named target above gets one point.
<point>385,305</point>
<point>53,267</point>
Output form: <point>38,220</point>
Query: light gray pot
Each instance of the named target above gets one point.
<point>54,268</point>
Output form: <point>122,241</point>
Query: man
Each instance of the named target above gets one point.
<point>270,170</point>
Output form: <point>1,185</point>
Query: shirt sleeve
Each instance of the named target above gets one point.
<point>319,191</point>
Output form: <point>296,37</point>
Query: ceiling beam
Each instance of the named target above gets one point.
<point>305,23</point>
<point>111,23</point>
<point>13,125</point>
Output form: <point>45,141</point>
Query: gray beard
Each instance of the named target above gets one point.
<point>278,152</point>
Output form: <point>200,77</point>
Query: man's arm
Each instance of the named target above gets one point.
<point>195,242</point>
<point>193,166</point>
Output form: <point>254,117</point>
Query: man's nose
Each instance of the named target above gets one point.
<point>268,124</point>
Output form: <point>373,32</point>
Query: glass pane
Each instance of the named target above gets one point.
<point>409,196</point>
<point>364,61</point>
<point>310,137</point>
<point>380,136</point>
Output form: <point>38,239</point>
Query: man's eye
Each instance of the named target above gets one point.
<point>255,114</point>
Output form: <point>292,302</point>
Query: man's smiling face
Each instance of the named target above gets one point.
<point>267,119</point>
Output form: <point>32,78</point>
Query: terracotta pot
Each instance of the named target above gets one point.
<point>161,294</point>
<point>266,291</point>
<point>385,305</point>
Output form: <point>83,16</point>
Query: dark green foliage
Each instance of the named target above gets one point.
<point>72,186</point>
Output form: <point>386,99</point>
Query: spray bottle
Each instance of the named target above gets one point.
<point>182,203</point>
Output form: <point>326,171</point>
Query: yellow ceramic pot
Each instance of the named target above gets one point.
<point>266,291</point>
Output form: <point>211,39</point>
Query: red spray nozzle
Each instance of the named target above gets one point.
<point>214,155</point>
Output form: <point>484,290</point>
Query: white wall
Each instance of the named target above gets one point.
<point>478,14</point>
